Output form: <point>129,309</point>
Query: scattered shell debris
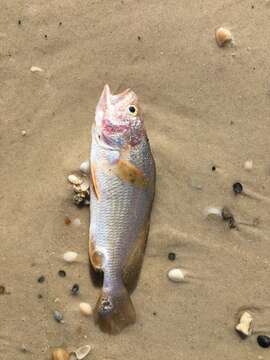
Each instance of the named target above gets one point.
<point>85,167</point>
<point>223,37</point>
<point>70,256</point>
<point>86,309</point>
<point>227,215</point>
<point>36,69</point>
<point>60,354</point>
<point>245,325</point>
<point>176,275</point>
<point>213,210</point>
<point>75,180</point>
<point>81,188</point>
<point>82,352</point>
<point>248,165</point>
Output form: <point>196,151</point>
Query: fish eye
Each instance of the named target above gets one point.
<point>133,110</point>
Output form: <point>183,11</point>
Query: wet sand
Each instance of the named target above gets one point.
<point>204,106</point>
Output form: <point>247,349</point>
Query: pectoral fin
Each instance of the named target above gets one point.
<point>128,172</point>
<point>93,181</point>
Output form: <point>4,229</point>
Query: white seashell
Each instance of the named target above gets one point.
<point>223,37</point>
<point>248,165</point>
<point>176,275</point>
<point>36,69</point>
<point>245,324</point>
<point>85,167</point>
<point>86,309</point>
<point>212,210</point>
<point>82,352</point>
<point>23,132</point>
<point>75,180</point>
<point>77,222</point>
<point>70,256</point>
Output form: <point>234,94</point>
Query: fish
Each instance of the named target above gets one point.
<point>122,189</point>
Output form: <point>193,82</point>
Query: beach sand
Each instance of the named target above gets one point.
<point>203,106</point>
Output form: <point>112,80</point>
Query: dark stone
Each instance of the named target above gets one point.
<point>75,289</point>
<point>171,256</point>
<point>237,188</point>
<point>62,273</point>
<point>41,279</point>
<point>263,341</point>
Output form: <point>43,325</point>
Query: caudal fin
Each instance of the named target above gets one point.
<point>114,312</point>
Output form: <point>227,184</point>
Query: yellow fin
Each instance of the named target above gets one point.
<point>94,181</point>
<point>128,172</point>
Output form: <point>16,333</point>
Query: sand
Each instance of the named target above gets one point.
<point>203,106</point>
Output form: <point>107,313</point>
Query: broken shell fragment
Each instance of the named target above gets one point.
<point>212,210</point>
<point>86,309</point>
<point>70,256</point>
<point>85,167</point>
<point>82,352</point>
<point>36,69</point>
<point>248,165</point>
<point>176,275</point>
<point>75,180</point>
<point>60,354</point>
<point>245,324</point>
<point>223,37</point>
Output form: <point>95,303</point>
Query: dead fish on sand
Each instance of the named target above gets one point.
<point>122,192</point>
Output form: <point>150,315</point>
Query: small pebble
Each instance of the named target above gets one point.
<point>62,273</point>
<point>75,289</point>
<point>85,167</point>
<point>23,132</point>
<point>248,165</point>
<point>237,188</point>
<point>86,309</point>
<point>19,22</point>
<point>171,256</point>
<point>2,290</point>
<point>70,256</point>
<point>60,354</point>
<point>58,316</point>
<point>223,37</point>
<point>36,69</point>
<point>77,222</point>
<point>67,220</point>
<point>263,341</point>
<point>176,275</point>
<point>75,180</point>
<point>41,279</point>
<point>40,296</point>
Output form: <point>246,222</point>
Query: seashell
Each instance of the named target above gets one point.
<point>86,309</point>
<point>36,69</point>
<point>176,275</point>
<point>79,199</point>
<point>77,222</point>
<point>82,352</point>
<point>60,354</point>
<point>212,210</point>
<point>70,256</point>
<point>23,132</point>
<point>223,37</point>
<point>75,180</point>
<point>58,316</point>
<point>248,165</point>
<point>85,167</point>
<point>245,324</point>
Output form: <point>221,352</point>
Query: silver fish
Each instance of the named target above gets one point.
<point>122,193</point>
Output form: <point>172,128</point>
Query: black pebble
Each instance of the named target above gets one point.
<point>138,37</point>
<point>154,313</point>
<point>60,24</point>
<point>263,341</point>
<point>19,22</point>
<point>237,188</point>
<point>171,256</point>
<point>46,36</point>
<point>40,296</point>
<point>75,289</point>
<point>41,279</point>
<point>2,289</point>
<point>213,168</point>
<point>62,273</point>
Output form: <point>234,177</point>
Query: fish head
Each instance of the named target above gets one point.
<point>118,119</point>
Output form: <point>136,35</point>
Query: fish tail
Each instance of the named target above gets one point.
<point>113,312</point>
